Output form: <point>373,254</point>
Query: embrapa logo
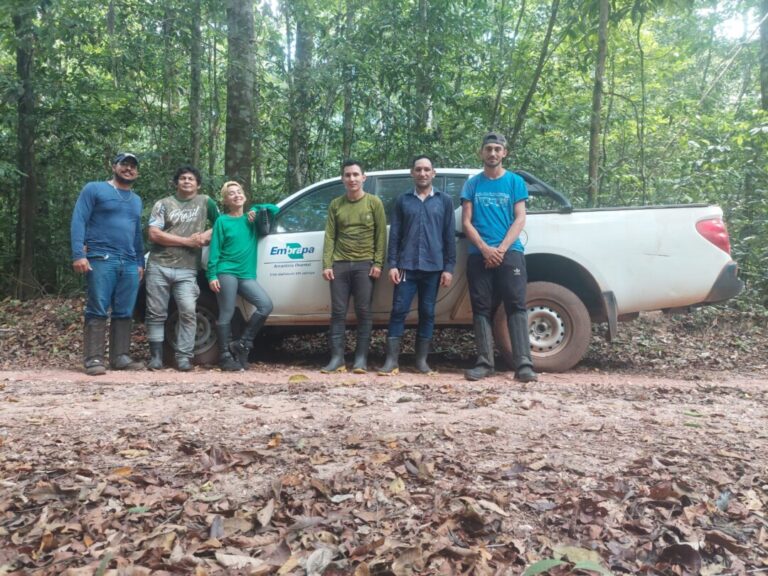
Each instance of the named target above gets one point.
<point>293,250</point>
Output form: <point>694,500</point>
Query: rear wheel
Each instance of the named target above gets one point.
<point>559,325</point>
<point>206,350</point>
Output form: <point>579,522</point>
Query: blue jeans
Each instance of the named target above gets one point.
<point>161,281</point>
<point>426,285</point>
<point>249,289</point>
<point>113,282</point>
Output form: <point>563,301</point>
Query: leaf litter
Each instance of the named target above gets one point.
<point>286,471</point>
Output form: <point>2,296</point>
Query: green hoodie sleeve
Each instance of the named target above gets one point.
<point>213,211</point>
<point>270,207</point>
<point>214,251</point>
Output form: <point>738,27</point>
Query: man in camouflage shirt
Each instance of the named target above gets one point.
<point>179,226</point>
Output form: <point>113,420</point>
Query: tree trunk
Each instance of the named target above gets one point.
<point>764,55</point>
<point>214,107</point>
<point>593,188</point>
<point>643,105</point>
<point>240,66</point>
<point>195,56</point>
<point>300,103</point>
<point>348,75</point>
<point>543,54</point>
<point>26,284</point>
<point>505,56</point>
<point>423,83</point>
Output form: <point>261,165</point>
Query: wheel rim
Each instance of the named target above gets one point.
<point>205,334</point>
<point>205,331</point>
<point>547,329</point>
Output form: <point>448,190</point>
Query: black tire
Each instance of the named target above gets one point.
<point>559,324</point>
<point>206,350</point>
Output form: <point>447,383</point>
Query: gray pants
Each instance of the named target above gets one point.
<point>249,289</point>
<point>351,279</point>
<point>182,282</point>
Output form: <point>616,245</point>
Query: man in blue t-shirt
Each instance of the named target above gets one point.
<point>493,215</point>
<point>107,247</point>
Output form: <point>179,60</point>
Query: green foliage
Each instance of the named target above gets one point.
<point>410,77</point>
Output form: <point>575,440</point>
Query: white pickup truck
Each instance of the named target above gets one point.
<point>584,266</point>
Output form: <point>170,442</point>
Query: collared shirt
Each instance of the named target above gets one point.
<point>422,233</point>
<point>431,193</point>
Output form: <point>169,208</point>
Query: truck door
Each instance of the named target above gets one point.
<point>291,259</point>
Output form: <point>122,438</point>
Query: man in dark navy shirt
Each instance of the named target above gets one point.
<point>421,258</point>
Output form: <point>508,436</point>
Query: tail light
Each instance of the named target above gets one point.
<point>714,230</point>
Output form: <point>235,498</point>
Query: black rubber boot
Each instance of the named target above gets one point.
<point>422,350</point>
<point>156,356</point>
<point>241,348</point>
<point>120,346</point>
<point>93,346</point>
<point>484,341</point>
<point>336,343</point>
<point>521,346</point>
<point>363,345</point>
<point>391,366</point>
<point>184,364</point>
<point>226,362</point>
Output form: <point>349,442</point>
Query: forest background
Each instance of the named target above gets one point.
<point>613,102</point>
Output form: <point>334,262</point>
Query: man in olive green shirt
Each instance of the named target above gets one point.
<point>353,256</point>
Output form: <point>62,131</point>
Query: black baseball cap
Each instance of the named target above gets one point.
<point>123,156</point>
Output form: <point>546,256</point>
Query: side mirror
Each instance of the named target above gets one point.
<point>263,222</point>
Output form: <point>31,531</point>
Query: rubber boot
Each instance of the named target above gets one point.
<point>93,346</point>
<point>521,346</point>
<point>242,348</point>
<point>226,362</point>
<point>422,350</point>
<point>120,346</point>
<point>336,343</point>
<point>156,356</point>
<point>391,366</point>
<point>184,364</point>
<point>484,341</point>
<point>363,345</point>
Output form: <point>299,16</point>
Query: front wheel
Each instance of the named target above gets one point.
<point>206,351</point>
<point>559,326</point>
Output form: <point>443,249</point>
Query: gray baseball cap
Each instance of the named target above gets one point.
<point>123,156</point>
<point>494,138</point>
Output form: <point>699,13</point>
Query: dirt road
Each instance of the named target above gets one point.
<point>286,469</point>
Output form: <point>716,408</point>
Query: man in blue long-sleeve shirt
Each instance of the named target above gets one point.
<point>421,258</point>
<point>107,247</point>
